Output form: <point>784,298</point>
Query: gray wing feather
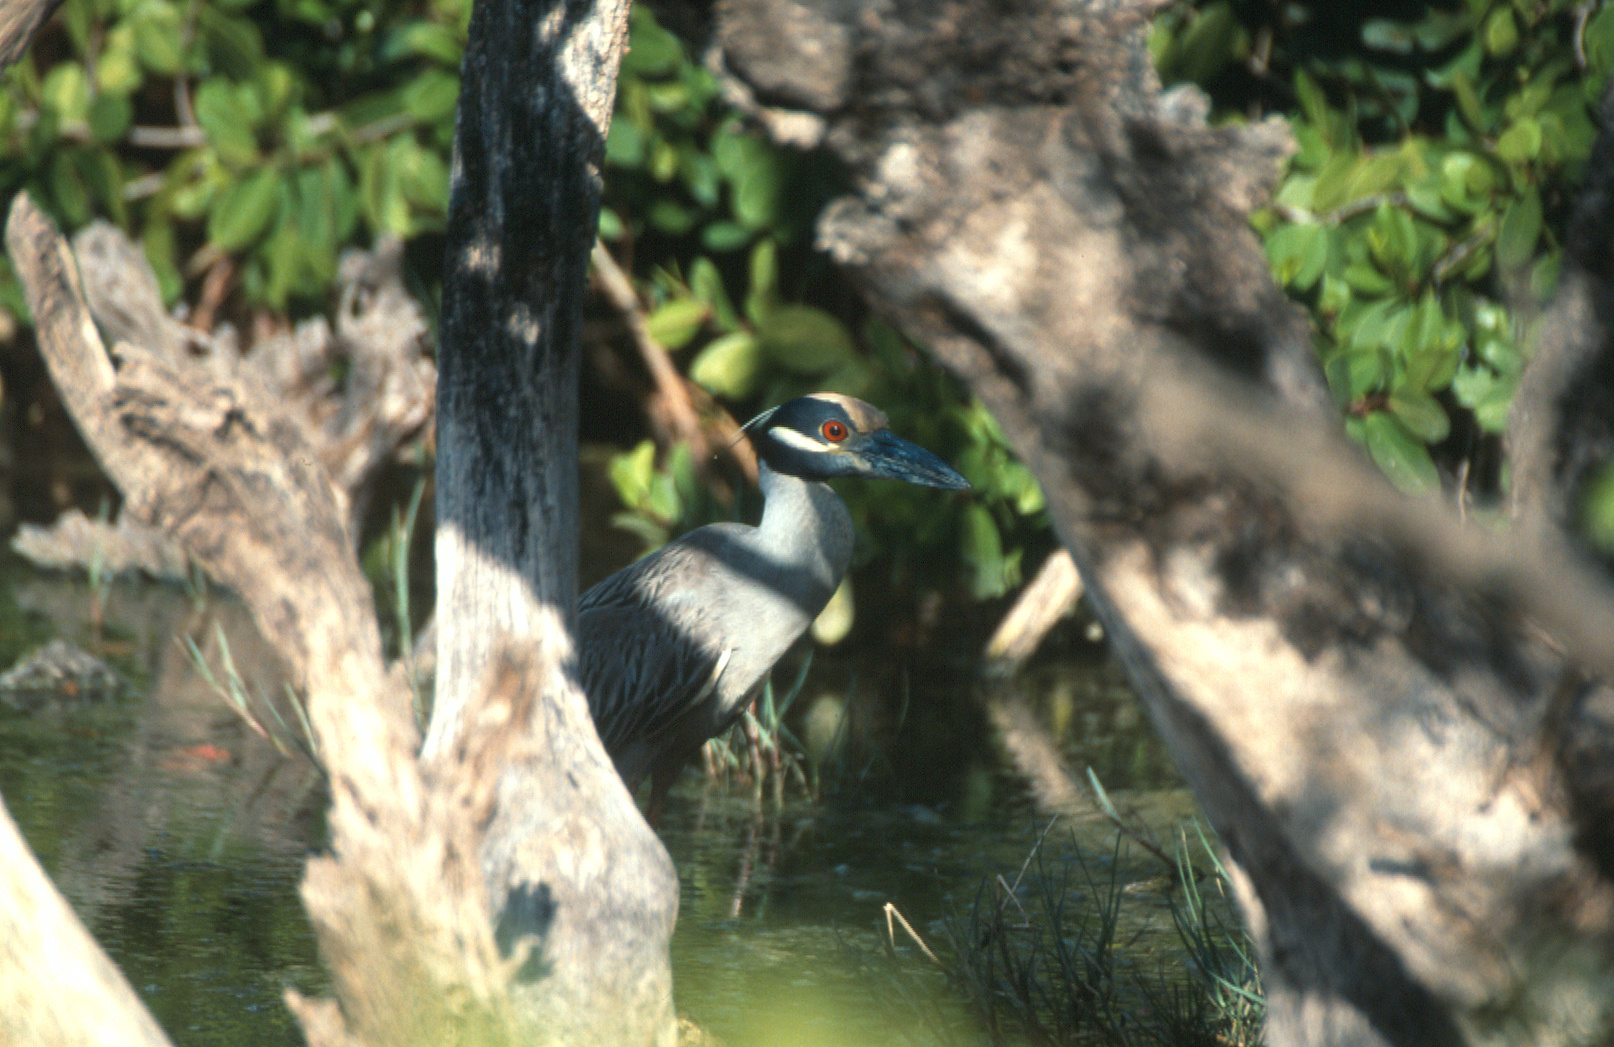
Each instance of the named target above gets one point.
<point>646,653</point>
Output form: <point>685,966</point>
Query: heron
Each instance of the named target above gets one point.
<point>672,648</point>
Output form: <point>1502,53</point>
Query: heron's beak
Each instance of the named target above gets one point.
<point>885,454</point>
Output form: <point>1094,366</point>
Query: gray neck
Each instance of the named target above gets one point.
<point>806,530</point>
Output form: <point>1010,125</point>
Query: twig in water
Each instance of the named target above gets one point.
<point>893,916</point>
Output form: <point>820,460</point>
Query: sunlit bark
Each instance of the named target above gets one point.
<point>1378,705</point>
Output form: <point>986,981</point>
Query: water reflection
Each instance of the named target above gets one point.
<point>178,834</point>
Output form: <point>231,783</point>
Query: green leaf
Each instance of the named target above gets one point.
<point>159,37</point>
<point>1401,456</point>
<point>226,122</point>
<point>1501,33</point>
<point>1520,229</point>
<point>804,340</point>
<point>1520,143</point>
<point>1597,509</point>
<point>663,160</point>
<point>758,190</point>
<point>763,296</point>
<point>675,323</point>
<point>1462,85</point>
<point>337,196</point>
<point>422,175</point>
<point>66,93</point>
<point>624,145</point>
<point>277,88</point>
<point>118,70</point>
<point>699,172</point>
<point>1334,179</point>
<point>158,240</point>
<point>242,211</point>
<point>631,474</point>
<point>1213,39</point>
<point>282,254</point>
<point>1312,102</point>
<point>1383,34</point>
<point>232,43</point>
<point>381,198</point>
<point>419,37</point>
<point>725,236</point>
<point>670,216</point>
<point>663,503</point>
<point>1467,180</point>
<point>431,96</point>
<point>1600,40</point>
<point>1298,253</point>
<point>1364,372</point>
<point>706,283</point>
<point>652,50</point>
<point>69,188</point>
<point>686,481</point>
<point>1421,414</point>
<point>316,226</point>
<point>983,552</point>
<point>1487,394</point>
<point>109,117</point>
<point>834,622</point>
<point>729,366</point>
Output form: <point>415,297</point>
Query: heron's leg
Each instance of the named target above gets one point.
<point>662,777</point>
<point>753,744</point>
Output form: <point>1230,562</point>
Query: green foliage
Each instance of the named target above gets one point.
<point>1437,152</point>
<point>181,123</point>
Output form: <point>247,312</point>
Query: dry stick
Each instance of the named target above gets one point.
<point>1047,598</point>
<point>678,414</point>
<point>1009,889</point>
<point>894,916</point>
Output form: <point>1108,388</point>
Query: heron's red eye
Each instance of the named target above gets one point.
<point>833,431</point>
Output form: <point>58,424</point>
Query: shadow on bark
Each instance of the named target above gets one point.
<point>1379,706</point>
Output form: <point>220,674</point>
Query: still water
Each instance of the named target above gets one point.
<point>178,834</point>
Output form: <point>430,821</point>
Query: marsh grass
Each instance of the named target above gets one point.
<point>229,686</point>
<point>1064,954</point>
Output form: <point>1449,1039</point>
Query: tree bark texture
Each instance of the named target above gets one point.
<point>398,904</point>
<point>19,21</point>
<point>1379,707</point>
<point>571,868</point>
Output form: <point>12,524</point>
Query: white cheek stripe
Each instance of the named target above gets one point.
<point>800,441</point>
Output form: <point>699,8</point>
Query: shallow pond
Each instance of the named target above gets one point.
<point>178,834</point>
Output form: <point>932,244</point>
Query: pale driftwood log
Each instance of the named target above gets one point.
<point>57,988</point>
<point>398,905</point>
<point>1360,689</point>
<point>570,865</point>
<point>380,337</point>
<point>76,541</point>
<point>354,428</point>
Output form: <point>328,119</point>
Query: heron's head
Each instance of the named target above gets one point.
<point>823,435</point>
